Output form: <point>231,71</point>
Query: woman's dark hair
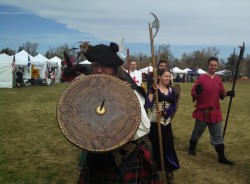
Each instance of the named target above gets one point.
<point>162,71</point>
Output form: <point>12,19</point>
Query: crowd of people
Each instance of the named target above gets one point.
<point>20,81</point>
<point>142,162</point>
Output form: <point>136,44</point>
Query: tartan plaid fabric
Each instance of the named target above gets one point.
<point>138,167</point>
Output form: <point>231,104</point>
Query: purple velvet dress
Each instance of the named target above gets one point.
<point>171,162</point>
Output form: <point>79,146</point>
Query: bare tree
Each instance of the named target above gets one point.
<point>164,53</point>
<point>245,67</point>
<point>29,47</point>
<point>8,51</point>
<point>59,51</point>
<point>198,58</point>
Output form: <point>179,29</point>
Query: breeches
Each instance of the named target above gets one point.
<point>216,136</point>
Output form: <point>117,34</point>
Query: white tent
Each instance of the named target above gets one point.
<point>21,59</point>
<point>41,64</point>
<point>146,69</point>
<point>222,72</point>
<point>186,70</point>
<point>200,71</point>
<point>177,70</point>
<point>6,75</point>
<point>56,63</point>
<point>86,62</point>
<point>40,57</point>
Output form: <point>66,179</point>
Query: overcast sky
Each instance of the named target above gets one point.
<point>186,25</point>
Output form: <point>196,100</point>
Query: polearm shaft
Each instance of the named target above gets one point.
<point>163,174</point>
<point>128,61</point>
<point>242,49</point>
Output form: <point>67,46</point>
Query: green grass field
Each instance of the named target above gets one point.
<point>33,149</point>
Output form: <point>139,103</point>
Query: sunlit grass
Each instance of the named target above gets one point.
<point>203,168</point>
<point>33,149</point>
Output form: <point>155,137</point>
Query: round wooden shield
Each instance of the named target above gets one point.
<point>98,113</point>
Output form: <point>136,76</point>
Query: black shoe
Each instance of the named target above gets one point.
<point>221,156</point>
<point>226,162</point>
<point>191,152</point>
<point>192,147</point>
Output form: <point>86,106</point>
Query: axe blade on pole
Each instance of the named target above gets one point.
<point>155,24</point>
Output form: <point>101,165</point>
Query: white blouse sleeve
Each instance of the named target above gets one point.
<point>144,126</point>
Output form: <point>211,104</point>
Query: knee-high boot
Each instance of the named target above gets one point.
<point>192,147</point>
<point>221,156</point>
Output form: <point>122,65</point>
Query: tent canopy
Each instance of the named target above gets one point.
<point>6,75</point>
<point>40,57</point>
<point>177,70</point>
<point>21,58</point>
<point>56,63</point>
<point>146,69</point>
<point>5,59</point>
<point>192,72</point>
<point>85,62</point>
<point>200,71</point>
<point>186,70</point>
<point>222,72</point>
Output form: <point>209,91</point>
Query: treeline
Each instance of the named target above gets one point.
<point>193,60</point>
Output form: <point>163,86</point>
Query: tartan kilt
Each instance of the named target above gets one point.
<point>138,167</point>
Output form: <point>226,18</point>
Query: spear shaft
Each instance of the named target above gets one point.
<point>242,49</point>
<point>128,61</point>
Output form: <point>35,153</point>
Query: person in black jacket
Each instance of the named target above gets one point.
<point>19,79</point>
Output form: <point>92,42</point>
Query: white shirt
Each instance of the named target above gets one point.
<point>144,126</point>
<point>136,76</point>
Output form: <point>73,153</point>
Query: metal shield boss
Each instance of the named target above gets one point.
<point>98,113</point>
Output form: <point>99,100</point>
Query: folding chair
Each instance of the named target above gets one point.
<point>26,82</point>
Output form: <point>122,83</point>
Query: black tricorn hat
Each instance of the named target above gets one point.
<point>104,54</point>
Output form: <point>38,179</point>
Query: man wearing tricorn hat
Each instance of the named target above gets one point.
<point>132,162</point>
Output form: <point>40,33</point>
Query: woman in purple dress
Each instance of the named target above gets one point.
<point>167,108</point>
